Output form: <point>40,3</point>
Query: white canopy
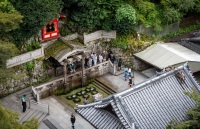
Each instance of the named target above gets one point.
<point>162,55</point>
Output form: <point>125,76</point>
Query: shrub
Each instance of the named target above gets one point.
<point>78,94</point>
<point>76,100</point>
<point>182,31</point>
<point>33,46</point>
<point>74,96</point>
<point>86,96</point>
<point>69,97</point>
<point>94,92</point>
<point>64,31</point>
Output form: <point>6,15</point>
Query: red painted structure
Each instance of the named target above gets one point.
<point>50,30</point>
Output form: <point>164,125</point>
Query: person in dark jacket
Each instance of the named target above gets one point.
<point>130,81</point>
<point>24,102</point>
<point>119,63</point>
<point>73,119</point>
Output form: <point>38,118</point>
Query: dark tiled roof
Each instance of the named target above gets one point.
<point>192,46</point>
<point>148,105</point>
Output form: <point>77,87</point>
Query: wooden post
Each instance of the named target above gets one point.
<point>65,71</point>
<point>83,69</point>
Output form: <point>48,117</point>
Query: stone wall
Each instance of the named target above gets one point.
<point>23,79</point>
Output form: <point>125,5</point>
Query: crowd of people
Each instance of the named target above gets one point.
<point>94,59</point>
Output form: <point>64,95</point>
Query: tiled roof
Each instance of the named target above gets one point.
<point>192,46</point>
<point>148,105</point>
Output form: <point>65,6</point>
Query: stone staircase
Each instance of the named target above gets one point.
<point>104,87</point>
<point>34,109</point>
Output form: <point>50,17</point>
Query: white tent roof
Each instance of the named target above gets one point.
<point>162,55</point>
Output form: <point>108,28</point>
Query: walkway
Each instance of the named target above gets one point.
<point>118,82</point>
<point>60,114</point>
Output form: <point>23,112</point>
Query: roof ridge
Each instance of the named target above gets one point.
<point>151,80</point>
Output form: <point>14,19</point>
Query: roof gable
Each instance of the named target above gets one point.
<point>153,103</point>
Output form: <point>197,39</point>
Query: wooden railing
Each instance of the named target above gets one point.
<point>101,68</point>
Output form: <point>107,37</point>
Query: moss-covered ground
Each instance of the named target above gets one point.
<point>72,104</point>
<point>55,48</point>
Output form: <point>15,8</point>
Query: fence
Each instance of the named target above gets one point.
<point>17,60</point>
<point>150,31</point>
<point>45,90</point>
<point>98,35</point>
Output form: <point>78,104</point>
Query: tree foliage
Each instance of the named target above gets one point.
<point>194,114</point>
<point>10,18</point>
<point>9,120</point>
<point>91,15</point>
<point>7,50</point>
<point>125,18</point>
<point>37,13</point>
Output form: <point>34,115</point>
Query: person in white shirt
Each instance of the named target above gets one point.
<point>129,71</point>
<point>95,59</point>
<point>100,58</point>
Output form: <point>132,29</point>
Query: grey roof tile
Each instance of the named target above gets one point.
<point>149,105</point>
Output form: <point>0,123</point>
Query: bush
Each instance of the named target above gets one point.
<point>94,92</point>
<point>33,46</point>
<point>86,96</point>
<point>64,31</point>
<point>60,92</point>
<point>76,100</point>
<point>69,97</point>
<point>182,31</point>
<point>87,89</point>
<point>78,94</point>
<point>74,96</point>
<point>92,89</point>
<point>83,92</point>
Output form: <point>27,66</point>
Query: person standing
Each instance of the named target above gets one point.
<point>130,81</point>
<point>90,62</point>
<point>129,71</point>
<point>112,58</point>
<point>95,59</point>
<point>24,102</point>
<point>109,54</point>
<point>125,72</point>
<point>73,119</point>
<point>85,101</point>
<point>100,58</point>
<point>119,63</point>
<point>92,56</point>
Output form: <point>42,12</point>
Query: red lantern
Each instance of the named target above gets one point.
<point>50,30</point>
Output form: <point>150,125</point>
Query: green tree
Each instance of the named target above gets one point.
<point>37,13</point>
<point>7,50</point>
<point>92,14</point>
<point>10,18</point>
<point>194,114</point>
<point>148,14</point>
<point>9,120</point>
<point>125,18</point>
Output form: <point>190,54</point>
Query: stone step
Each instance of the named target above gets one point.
<point>106,87</point>
<point>43,126</point>
<point>30,113</point>
<point>119,72</point>
<point>102,88</point>
<point>52,124</point>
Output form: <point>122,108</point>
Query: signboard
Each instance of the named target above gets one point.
<point>50,30</point>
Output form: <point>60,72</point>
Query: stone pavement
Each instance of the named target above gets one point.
<point>119,83</point>
<point>60,114</point>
